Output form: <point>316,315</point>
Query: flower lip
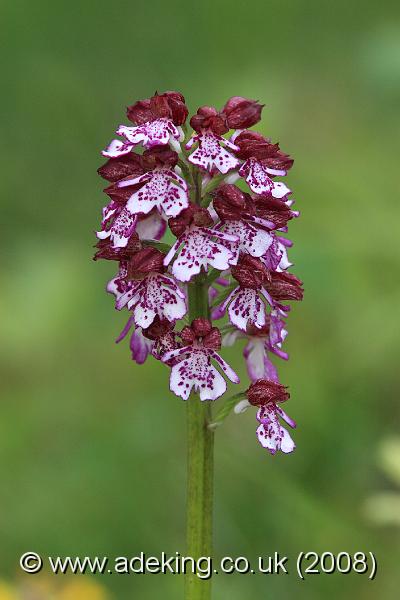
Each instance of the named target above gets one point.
<point>265,391</point>
<point>242,112</point>
<point>250,272</point>
<point>145,261</point>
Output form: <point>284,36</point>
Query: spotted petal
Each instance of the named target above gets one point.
<point>157,295</point>
<point>270,433</point>
<point>121,229</point>
<point>152,133</point>
<point>211,153</point>
<point>246,307</point>
<point>199,250</point>
<point>164,190</point>
<point>258,178</point>
<point>196,371</point>
<point>252,240</point>
<point>117,148</point>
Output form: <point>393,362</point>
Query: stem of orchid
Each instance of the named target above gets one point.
<point>200,466</point>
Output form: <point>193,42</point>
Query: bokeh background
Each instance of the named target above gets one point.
<point>92,447</point>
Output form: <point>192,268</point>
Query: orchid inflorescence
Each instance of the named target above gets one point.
<point>232,240</point>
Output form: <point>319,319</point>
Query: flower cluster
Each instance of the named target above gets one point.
<point>217,190</point>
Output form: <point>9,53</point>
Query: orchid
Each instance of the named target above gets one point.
<point>218,189</point>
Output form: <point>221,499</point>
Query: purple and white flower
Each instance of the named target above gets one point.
<point>257,176</point>
<point>200,250</point>
<point>253,240</point>
<point>118,224</point>
<point>162,189</point>
<point>270,432</point>
<point>246,306</point>
<point>211,153</point>
<point>157,294</point>
<point>276,258</point>
<point>153,133</point>
<point>193,368</point>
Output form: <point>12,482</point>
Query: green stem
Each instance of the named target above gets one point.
<point>200,467</point>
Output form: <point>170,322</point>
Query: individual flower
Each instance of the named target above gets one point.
<point>237,214</point>
<point>144,288</point>
<point>265,394</point>
<point>262,161</point>
<point>212,152</point>
<point>157,121</point>
<point>246,302</point>
<point>196,245</point>
<point>193,368</point>
<point>160,187</point>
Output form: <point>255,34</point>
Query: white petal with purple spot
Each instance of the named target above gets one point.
<point>252,240</point>
<point>199,250</point>
<point>121,230</point>
<point>258,178</point>
<point>164,190</point>
<point>152,133</point>
<point>197,371</point>
<point>270,433</point>
<point>211,153</point>
<point>246,307</point>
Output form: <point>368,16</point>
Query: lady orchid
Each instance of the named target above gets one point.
<point>218,191</point>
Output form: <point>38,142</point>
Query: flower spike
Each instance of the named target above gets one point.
<point>219,189</point>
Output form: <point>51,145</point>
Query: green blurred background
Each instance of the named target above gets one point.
<point>92,447</point>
